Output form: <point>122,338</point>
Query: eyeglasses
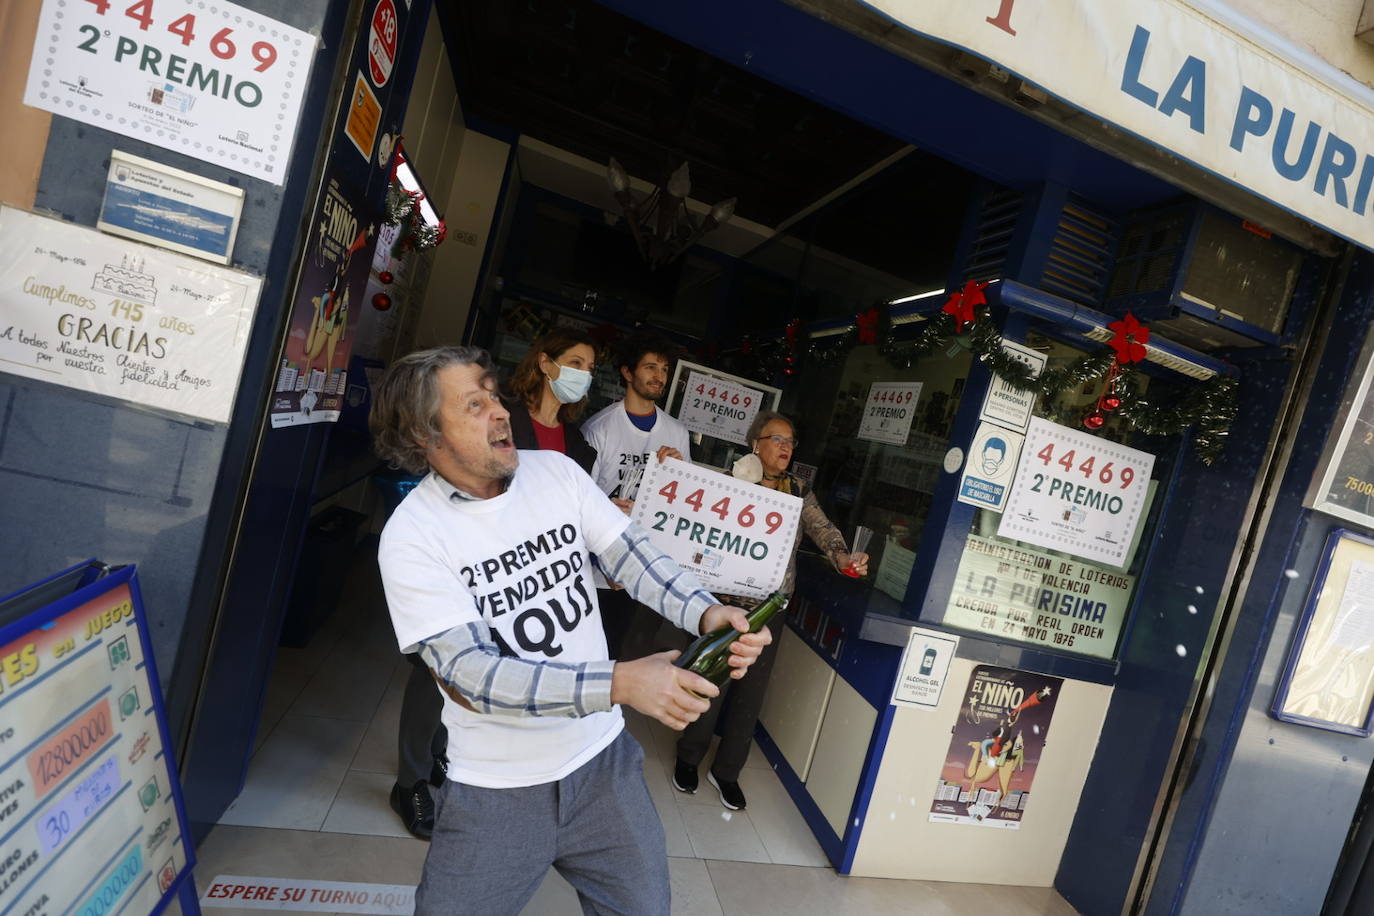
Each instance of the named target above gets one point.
<point>781,441</point>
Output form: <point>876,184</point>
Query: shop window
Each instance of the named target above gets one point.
<point>865,478</point>
<point>1011,591</point>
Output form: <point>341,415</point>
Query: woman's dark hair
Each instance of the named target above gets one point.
<point>527,382</point>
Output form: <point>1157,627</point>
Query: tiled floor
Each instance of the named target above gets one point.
<point>315,803</point>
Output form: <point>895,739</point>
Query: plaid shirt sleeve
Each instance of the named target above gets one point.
<point>469,661</point>
<point>653,579</point>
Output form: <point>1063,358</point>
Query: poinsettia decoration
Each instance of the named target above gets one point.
<point>961,304</point>
<point>1131,337</point>
<point>867,325</point>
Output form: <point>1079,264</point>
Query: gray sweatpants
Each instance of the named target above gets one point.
<point>597,825</point>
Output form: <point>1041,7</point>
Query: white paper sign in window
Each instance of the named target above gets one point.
<point>888,413</point>
<point>1077,493</point>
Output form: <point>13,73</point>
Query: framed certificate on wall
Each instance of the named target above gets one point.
<point>1328,680</point>
<point>1344,486</point>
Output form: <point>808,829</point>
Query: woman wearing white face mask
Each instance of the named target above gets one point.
<point>550,389</point>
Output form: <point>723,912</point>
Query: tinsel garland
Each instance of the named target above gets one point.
<point>1209,409</point>
<point>403,209</point>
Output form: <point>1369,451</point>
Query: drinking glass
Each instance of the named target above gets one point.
<point>862,535</point>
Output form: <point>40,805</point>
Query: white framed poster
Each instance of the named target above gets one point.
<point>718,404</point>
<point>218,82</point>
<point>1006,405</point>
<point>155,203</point>
<point>114,317</point>
<point>888,412</point>
<point>1345,485</point>
<point>736,537</point>
<point>1077,493</point>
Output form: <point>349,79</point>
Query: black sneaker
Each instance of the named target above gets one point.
<point>730,794</point>
<point>685,778</point>
<point>415,807</point>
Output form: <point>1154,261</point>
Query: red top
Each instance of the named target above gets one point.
<point>550,438</point>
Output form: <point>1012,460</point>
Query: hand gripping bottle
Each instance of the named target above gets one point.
<point>709,654</point>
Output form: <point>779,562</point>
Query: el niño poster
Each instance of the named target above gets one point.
<point>994,752</point>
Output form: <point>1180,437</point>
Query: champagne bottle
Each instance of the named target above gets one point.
<point>709,654</point>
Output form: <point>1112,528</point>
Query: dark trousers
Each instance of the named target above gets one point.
<point>420,736</point>
<point>735,712</point>
<point>597,826</point>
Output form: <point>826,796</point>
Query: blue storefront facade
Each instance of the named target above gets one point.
<point>1169,786</point>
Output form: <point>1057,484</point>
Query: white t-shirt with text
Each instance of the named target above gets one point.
<point>623,449</point>
<point>518,562</point>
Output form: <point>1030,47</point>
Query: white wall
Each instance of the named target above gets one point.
<point>470,213</point>
<point>1325,28</point>
<point>899,840</point>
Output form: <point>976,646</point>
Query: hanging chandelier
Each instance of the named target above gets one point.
<point>662,226</point>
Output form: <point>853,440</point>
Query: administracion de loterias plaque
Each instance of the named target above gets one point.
<point>118,318</point>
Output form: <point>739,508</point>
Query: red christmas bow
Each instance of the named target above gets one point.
<point>962,303</point>
<point>867,323</point>
<point>1131,337</point>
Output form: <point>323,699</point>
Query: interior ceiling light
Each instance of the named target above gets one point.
<point>661,224</point>
<point>406,176</point>
<point>926,295</point>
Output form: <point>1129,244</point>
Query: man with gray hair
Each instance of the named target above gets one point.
<point>486,571</point>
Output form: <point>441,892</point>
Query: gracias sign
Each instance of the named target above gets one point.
<point>1184,81</point>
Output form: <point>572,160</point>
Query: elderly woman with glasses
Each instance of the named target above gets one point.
<point>773,439</point>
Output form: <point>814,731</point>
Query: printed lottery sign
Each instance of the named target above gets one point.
<point>88,800</point>
<point>719,407</point>
<point>223,84</point>
<point>1077,493</point>
<point>736,537</point>
<point>889,411</point>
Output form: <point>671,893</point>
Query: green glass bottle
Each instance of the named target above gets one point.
<point>709,654</point>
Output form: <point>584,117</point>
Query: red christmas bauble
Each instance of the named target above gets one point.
<point>1110,403</point>
<point>381,302</point>
<point>386,276</point>
<point>1094,420</point>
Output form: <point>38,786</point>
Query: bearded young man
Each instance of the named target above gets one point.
<point>627,435</point>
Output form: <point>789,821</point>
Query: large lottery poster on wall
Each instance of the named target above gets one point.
<point>219,82</point>
<point>996,747</point>
<point>313,374</point>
